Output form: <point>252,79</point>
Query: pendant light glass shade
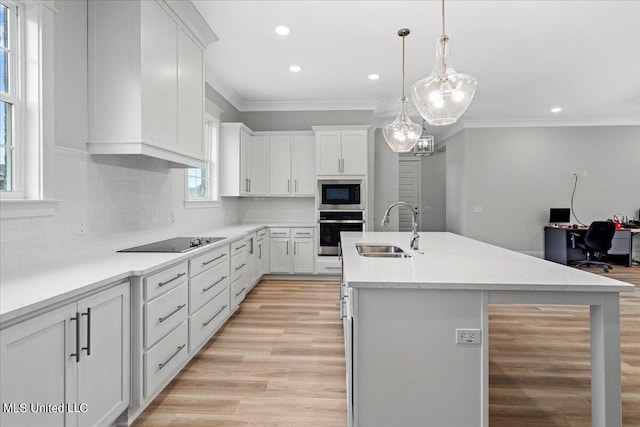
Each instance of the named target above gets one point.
<point>445,94</point>
<point>402,134</point>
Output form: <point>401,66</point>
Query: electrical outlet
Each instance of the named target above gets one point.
<point>477,209</point>
<point>172,218</point>
<point>81,227</point>
<point>584,174</point>
<point>468,336</point>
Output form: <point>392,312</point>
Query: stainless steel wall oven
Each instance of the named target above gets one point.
<point>331,223</point>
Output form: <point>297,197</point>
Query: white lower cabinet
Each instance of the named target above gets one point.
<point>292,250</point>
<point>74,358</point>
<point>262,253</point>
<point>206,321</point>
<point>239,276</point>
<point>163,359</point>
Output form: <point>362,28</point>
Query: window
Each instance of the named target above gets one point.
<point>202,184</point>
<point>9,97</point>
<point>26,108</point>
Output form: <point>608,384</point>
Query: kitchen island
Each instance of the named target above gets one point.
<point>416,328</point>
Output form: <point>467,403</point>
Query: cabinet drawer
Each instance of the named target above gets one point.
<point>164,313</point>
<point>207,285</point>
<point>238,266</point>
<point>279,232</point>
<point>238,247</point>
<point>161,361</point>
<point>262,233</point>
<point>209,260</point>
<point>207,320</point>
<point>158,283</point>
<point>324,266</point>
<point>238,292</point>
<point>302,232</point>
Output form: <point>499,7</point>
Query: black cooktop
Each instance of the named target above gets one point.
<point>176,245</point>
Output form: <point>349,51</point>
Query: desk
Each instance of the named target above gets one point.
<point>558,246</point>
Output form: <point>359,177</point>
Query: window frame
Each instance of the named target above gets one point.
<point>34,142</point>
<point>212,167</point>
<point>14,96</point>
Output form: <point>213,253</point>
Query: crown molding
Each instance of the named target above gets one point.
<point>613,121</point>
<point>246,106</point>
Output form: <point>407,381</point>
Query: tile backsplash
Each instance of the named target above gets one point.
<point>105,203</point>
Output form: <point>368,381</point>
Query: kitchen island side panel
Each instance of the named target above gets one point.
<point>408,368</point>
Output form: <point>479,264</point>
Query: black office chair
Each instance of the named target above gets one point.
<point>596,243</point>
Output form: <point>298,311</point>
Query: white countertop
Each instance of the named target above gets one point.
<point>450,261</point>
<point>33,290</point>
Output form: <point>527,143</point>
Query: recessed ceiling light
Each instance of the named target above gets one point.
<point>295,68</point>
<point>556,109</point>
<point>282,30</point>
<point>374,76</point>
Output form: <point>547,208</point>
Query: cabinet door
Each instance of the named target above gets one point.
<point>328,153</point>
<point>159,79</point>
<point>190,96</point>
<point>354,153</point>
<point>303,165</point>
<point>37,367</point>
<point>280,165</point>
<point>303,255</point>
<point>103,371</point>
<point>279,259</point>
<point>245,148</point>
<point>257,166</point>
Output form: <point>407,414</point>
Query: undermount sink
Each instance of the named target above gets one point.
<point>381,251</point>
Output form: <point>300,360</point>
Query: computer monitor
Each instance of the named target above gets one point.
<point>559,215</point>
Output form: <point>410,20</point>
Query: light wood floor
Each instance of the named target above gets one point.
<point>279,362</point>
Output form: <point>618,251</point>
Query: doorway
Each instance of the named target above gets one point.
<point>410,191</point>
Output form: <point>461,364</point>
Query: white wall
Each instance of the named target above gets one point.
<point>277,209</point>
<point>517,174</point>
<point>455,182</point>
<point>385,183</point>
<point>434,192</point>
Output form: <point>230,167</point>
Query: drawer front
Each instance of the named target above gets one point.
<point>206,321</point>
<point>328,267</point>
<point>207,285</point>
<point>162,361</point>
<point>238,292</point>
<point>164,313</point>
<point>262,233</point>
<point>279,232</point>
<point>302,232</point>
<point>209,260</point>
<point>165,280</point>
<point>238,266</point>
<point>238,247</point>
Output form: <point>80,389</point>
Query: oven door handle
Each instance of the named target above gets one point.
<point>340,221</point>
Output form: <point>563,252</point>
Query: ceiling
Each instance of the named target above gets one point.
<point>527,56</point>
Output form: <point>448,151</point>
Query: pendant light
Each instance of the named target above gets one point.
<point>425,144</point>
<point>445,94</point>
<point>402,134</point>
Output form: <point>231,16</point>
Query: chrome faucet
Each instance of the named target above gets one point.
<point>415,237</point>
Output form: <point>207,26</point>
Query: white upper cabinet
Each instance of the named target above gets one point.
<point>280,165</point>
<point>341,150</point>
<point>303,165</point>
<point>255,152</point>
<point>146,80</point>
<point>291,163</point>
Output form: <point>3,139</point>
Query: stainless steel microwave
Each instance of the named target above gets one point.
<point>341,195</point>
